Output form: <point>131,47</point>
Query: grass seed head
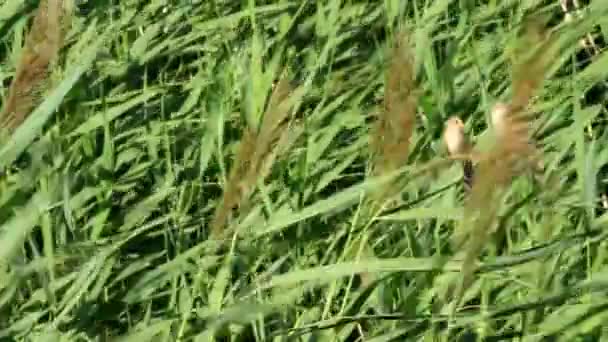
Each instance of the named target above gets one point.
<point>395,124</point>
<point>258,150</point>
<point>40,51</point>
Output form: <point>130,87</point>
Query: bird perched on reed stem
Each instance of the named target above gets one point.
<point>458,145</point>
<point>511,129</point>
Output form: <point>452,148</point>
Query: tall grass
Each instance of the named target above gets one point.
<point>275,170</point>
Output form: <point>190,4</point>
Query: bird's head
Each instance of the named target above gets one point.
<point>454,136</point>
<point>499,117</point>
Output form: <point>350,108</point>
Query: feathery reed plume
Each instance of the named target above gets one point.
<point>390,137</point>
<point>395,124</point>
<point>257,151</point>
<point>497,167</point>
<point>41,49</point>
<point>458,145</point>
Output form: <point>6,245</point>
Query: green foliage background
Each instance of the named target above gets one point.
<point>109,187</point>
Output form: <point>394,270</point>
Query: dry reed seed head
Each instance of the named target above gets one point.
<point>395,124</point>
<point>454,136</point>
<point>31,79</point>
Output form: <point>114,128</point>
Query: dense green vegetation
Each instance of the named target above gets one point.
<point>207,170</point>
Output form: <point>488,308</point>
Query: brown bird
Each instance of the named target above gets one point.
<point>457,144</point>
<point>513,131</point>
<point>509,125</point>
<point>499,115</point>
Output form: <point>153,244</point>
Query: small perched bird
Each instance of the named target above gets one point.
<point>514,132</point>
<point>457,144</point>
<point>509,125</point>
<point>499,115</point>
